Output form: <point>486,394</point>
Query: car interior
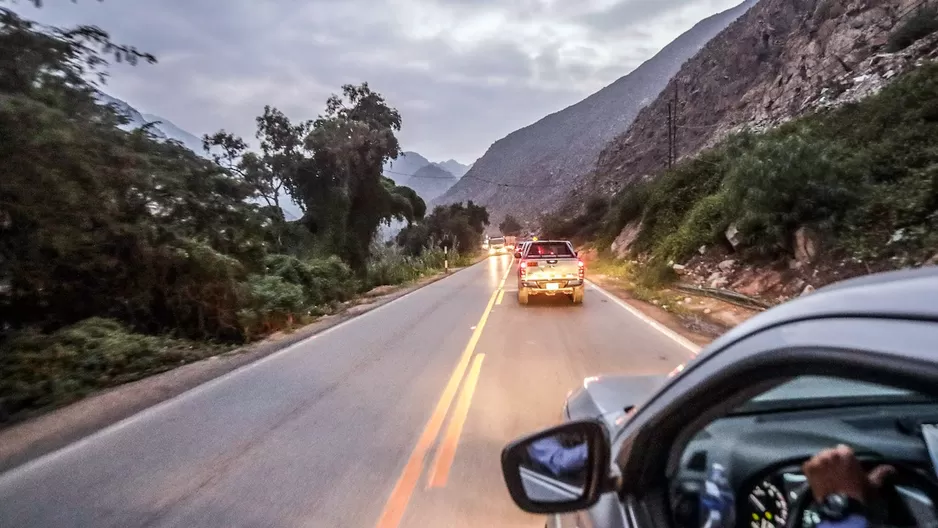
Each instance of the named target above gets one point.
<point>762,445</point>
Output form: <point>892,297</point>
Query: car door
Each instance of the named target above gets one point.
<point>901,352</point>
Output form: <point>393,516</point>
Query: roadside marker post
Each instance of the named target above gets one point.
<point>446,259</point>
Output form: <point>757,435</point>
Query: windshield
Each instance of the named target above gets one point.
<point>822,390</point>
<point>549,249</point>
<point>497,241</point>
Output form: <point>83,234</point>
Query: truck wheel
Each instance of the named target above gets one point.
<point>522,296</point>
<point>578,295</point>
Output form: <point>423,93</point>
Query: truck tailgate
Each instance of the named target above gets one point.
<point>552,269</point>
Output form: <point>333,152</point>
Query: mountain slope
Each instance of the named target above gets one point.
<point>162,128</point>
<point>453,167</point>
<point>405,166</point>
<point>431,181</point>
<point>549,154</point>
<point>778,61</point>
<point>172,131</point>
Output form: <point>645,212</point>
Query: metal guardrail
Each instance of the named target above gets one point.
<point>725,295</point>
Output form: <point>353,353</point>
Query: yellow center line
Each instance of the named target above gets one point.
<point>501,295</point>
<point>439,472</point>
<point>404,488</point>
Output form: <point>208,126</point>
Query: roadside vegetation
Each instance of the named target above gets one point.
<point>863,176</point>
<point>122,255</point>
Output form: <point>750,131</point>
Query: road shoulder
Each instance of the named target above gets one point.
<point>698,319</point>
<point>32,438</point>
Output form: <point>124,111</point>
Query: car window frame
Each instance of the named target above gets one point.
<point>814,346</point>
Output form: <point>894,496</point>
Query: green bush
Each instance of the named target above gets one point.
<point>672,196</point>
<point>655,274</point>
<point>581,227</point>
<point>627,206</point>
<point>40,370</point>
<point>786,182</point>
<point>291,289</point>
<point>705,222</point>
<point>393,265</point>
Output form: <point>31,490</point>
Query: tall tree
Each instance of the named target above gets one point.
<point>344,193</point>
<point>510,226</point>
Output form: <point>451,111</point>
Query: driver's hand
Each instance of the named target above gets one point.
<point>837,470</point>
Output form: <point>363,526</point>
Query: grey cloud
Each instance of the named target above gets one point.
<point>627,15</point>
<point>221,62</point>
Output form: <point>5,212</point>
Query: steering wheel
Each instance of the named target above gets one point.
<point>886,507</point>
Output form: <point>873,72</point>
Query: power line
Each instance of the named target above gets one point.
<point>477,178</point>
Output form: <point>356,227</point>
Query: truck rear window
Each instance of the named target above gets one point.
<point>497,241</point>
<point>549,249</point>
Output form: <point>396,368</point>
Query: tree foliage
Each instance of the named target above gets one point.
<point>116,247</point>
<point>457,226</point>
<point>510,226</point>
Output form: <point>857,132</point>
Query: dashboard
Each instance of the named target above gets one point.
<point>762,456</point>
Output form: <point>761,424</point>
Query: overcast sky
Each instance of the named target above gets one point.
<point>463,73</point>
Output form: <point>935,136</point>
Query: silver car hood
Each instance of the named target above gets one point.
<point>609,397</point>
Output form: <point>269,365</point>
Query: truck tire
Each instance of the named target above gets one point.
<point>522,296</point>
<point>578,295</point>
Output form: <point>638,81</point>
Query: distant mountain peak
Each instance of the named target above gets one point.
<point>428,179</point>
<point>453,167</point>
<point>553,153</point>
<point>162,129</point>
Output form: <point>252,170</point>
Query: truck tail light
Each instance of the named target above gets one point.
<point>581,267</point>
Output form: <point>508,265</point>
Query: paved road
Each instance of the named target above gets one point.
<point>395,418</point>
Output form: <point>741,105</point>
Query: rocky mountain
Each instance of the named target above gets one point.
<point>431,181</point>
<point>780,60</point>
<point>550,154</point>
<point>162,128</point>
<point>405,166</point>
<point>166,126</point>
<point>454,167</point>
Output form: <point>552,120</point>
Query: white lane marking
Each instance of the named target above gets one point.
<point>678,338</point>
<point>37,463</point>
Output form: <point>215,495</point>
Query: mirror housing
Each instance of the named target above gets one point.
<point>576,475</point>
<point>517,254</point>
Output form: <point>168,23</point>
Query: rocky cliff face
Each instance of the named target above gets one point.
<point>550,154</point>
<point>781,59</point>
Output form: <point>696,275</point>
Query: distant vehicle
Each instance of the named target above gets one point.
<point>510,243</point>
<point>519,249</point>
<point>497,246</point>
<point>551,267</point>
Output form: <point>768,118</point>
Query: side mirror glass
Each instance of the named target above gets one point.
<point>517,254</point>
<point>558,470</point>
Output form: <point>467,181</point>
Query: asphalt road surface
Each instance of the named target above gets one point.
<point>395,418</point>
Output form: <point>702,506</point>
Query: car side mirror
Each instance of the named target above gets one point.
<point>517,254</point>
<point>558,470</point>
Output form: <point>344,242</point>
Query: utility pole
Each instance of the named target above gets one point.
<point>670,132</point>
<point>674,125</point>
